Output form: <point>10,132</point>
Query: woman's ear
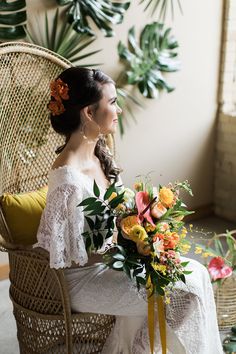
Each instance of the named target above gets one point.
<point>87,112</point>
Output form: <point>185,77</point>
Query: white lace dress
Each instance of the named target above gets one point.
<point>191,316</point>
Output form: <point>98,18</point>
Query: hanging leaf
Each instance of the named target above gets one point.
<point>162,7</point>
<point>13,20</point>
<point>147,61</point>
<point>104,13</point>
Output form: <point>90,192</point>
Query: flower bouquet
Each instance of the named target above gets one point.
<point>150,237</point>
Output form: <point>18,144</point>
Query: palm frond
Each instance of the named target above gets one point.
<point>61,38</point>
<point>162,7</point>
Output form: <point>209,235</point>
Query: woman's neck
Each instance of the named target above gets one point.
<point>81,149</point>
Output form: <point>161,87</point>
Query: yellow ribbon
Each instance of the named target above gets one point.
<point>151,318</point>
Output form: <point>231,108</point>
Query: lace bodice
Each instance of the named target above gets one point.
<point>62,222</point>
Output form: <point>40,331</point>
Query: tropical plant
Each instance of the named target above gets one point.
<point>104,13</point>
<point>146,63</point>
<point>61,38</point>
<point>162,6</point>
<point>12,18</point>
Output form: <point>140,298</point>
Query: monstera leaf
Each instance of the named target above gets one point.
<point>104,13</point>
<point>12,18</point>
<point>162,7</point>
<point>61,38</point>
<point>147,61</point>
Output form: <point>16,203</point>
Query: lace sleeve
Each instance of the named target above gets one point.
<point>61,227</point>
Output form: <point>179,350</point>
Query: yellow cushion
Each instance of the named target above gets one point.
<point>22,213</point>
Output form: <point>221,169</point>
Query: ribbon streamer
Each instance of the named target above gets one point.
<point>151,318</point>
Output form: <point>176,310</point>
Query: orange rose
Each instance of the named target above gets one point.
<point>59,90</point>
<point>166,197</point>
<point>127,223</point>
<point>170,240</point>
<point>56,107</point>
<point>158,236</point>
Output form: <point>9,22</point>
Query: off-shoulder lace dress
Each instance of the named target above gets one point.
<point>191,315</point>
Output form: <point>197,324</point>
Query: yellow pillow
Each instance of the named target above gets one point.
<point>22,213</point>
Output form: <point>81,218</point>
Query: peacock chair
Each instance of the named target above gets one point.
<point>41,303</point>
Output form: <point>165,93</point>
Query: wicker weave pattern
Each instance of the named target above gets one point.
<point>225,298</point>
<point>27,142</point>
<point>40,298</point>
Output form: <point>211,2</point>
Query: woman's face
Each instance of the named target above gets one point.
<point>106,115</point>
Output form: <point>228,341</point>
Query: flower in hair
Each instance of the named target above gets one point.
<point>56,107</point>
<point>59,92</point>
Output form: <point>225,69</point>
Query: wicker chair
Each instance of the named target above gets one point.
<point>39,294</point>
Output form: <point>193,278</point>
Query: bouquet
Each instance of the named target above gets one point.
<point>150,237</point>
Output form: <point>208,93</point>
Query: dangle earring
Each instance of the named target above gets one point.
<point>83,133</point>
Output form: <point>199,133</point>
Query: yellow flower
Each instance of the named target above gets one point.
<point>183,232</point>
<point>206,254</point>
<point>159,267</point>
<point>166,197</point>
<point>120,207</point>
<point>128,222</point>
<point>198,250</point>
<point>138,232</point>
<point>138,186</point>
<point>167,300</point>
<point>149,227</point>
<point>112,196</point>
<point>185,248</point>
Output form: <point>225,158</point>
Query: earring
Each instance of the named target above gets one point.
<point>82,131</point>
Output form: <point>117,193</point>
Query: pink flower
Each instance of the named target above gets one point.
<point>142,201</point>
<point>218,269</point>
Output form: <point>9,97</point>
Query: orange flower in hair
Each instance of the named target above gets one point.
<point>56,107</point>
<point>59,90</point>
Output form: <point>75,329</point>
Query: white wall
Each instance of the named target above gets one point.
<point>174,135</point>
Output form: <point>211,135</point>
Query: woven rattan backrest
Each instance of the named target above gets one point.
<point>33,284</point>
<point>27,142</point>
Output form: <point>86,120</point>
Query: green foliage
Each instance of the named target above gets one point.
<point>104,13</point>
<point>147,61</point>
<point>12,20</point>
<point>62,39</point>
<point>161,7</point>
<point>100,217</point>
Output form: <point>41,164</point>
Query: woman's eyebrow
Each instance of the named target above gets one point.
<point>113,98</point>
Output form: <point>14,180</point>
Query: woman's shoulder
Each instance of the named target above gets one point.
<point>64,175</point>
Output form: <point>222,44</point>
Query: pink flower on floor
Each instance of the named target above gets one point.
<point>218,269</point>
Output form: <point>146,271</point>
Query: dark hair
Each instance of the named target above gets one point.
<point>85,88</point>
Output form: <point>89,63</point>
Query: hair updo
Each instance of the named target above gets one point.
<point>85,88</point>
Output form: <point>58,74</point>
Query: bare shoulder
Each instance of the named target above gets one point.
<point>64,160</point>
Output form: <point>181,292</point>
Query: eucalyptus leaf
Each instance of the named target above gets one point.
<point>12,6</point>
<point>119,257</point>
<point>118,265</point>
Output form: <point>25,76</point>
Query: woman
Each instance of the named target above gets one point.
<point>84,108</point>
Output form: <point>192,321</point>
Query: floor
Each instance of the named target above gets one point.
<point>202,229</point>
